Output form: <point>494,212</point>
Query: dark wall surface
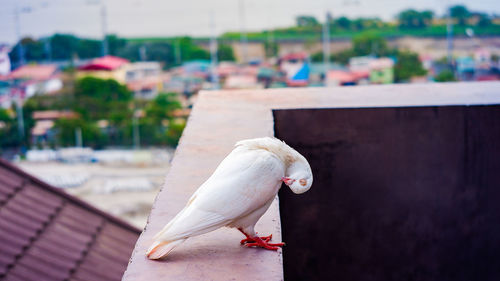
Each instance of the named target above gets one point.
<point>398,194</point>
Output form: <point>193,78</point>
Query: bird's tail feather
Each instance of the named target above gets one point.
<point>161,249</point>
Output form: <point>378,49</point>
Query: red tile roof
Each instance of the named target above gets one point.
<point>36,72</point>
<point>53,114</point>
<point>295,56</point>
<point>105,63</point>
<point>47,234</point>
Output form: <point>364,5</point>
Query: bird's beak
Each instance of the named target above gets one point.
<point>288,181</point>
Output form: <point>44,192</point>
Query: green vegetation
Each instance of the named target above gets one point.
<point>166,51</point>
<point>445,76</point>
<point>415,19</point>
<point>97,99</point>
<point>9,135</point>
<point>409,23</point>
<point>307,21</point>
<point>407,65</point>
<point>105,117</point>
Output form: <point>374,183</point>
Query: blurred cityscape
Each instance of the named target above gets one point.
<point>103,116</point>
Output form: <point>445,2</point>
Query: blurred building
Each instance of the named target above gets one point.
<point>296,66</point>
<point>340,78</point>
<point>42,132</point>
<point>382,71</point>
<point>28,80</point>
<point>107,67</point>
<point>144,79</point>
<point>4,60</point>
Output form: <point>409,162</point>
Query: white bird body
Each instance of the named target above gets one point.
<point>236,195</point>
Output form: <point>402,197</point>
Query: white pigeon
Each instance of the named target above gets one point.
<point>237,194</point>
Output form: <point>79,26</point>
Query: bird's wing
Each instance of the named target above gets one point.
<point>243,182</point>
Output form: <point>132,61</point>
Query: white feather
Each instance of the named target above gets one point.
<point>237,194</point>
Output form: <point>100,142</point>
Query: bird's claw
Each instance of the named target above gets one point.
<point>252,240</point>
<point>262,242</point>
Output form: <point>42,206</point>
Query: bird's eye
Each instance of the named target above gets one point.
<point>303,182</point>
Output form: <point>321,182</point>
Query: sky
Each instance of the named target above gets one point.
<point>148,18</point>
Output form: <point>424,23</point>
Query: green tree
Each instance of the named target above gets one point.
<point>97,99</point>
<point>460,13</point>
<point>191,51</point>
<point>115,43</point>
<point>66,130</point>
<point>9,137</point>
<point>89,48</point>
<point>445,76</point>
<point>343,22</point>
<point>225,53</point>
<point>174,131</point>
<point>414,19</point>
<point>341,57</point>
<point>484,20</point>
<point>33,50</point>
<point>271,48</point>
<point>369,43</point>
<point>162,106</point>
<point>306,21</point>
<point>407,65</point>
<point>63,46</point>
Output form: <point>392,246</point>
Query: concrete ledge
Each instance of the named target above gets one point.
<point>221,118</point>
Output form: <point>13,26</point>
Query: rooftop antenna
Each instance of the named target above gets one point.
<point>213,53</point>
<point>243,34</point>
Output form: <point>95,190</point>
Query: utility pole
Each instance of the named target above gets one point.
<point>449,37</point>
<point>20,117</point>
<point>104,20</point>
<point>243,34</point>
<point>78,136</point>
<point>178,54</point>
<point>142,53</point>
<point>48,49</point>
<point>326,44</point>
<point>135,124</point>
<point>20,48</point>
<point>213,53</point>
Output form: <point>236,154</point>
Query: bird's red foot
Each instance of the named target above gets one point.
<point>251,240</point>
<point>262,242</point>
<point>258,242</point>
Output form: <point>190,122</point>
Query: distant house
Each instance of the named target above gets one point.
<point>47,234</point>
<point>466,67</point>
<point>360,64</point>
<point>4,60</point>
<point>241,81</point>
<point>144,79</point>
<point>382,71</point>
<point>44,122</point>
<point>107,67</point>
<point>340,78</point>
<point>28,80</point>
<point>296,66</point>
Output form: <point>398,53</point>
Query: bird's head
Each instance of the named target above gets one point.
<point>298,176</point>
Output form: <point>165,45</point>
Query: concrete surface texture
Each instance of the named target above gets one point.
<point>221,118</point>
